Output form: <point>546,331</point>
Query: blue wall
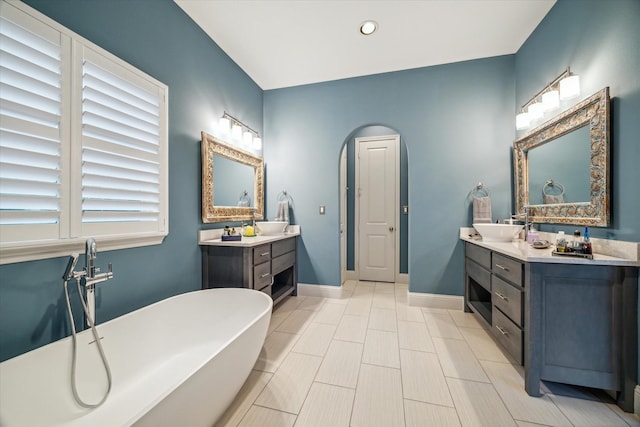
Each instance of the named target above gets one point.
<point>600,41</point>
<point>457,122</point>
<point>157,37</point>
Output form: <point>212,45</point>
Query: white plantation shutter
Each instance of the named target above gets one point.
<point>30,130</point>
<point>83,143</point>
<point>121,156</point>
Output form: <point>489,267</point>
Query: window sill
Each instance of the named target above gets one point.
<point>20,252</point>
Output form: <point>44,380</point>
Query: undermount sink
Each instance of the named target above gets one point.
<point>271,228</point>
<point>498,232</point>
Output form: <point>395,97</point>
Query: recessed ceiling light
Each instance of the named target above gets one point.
<point>368,27</point>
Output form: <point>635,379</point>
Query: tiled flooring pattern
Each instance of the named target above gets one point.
<point>369,359</point>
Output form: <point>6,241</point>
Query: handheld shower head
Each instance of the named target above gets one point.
<point>68,272</point>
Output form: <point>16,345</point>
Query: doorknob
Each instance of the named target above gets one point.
<point>390,228</point>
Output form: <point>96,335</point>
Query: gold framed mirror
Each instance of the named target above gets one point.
<point>592,114</point>
<point>232,182</point>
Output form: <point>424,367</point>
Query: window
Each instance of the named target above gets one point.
<point>83,143</point>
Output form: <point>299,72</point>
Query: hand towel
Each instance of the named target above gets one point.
<point>282,211</point>
<point>243,203</point>
<point>482,210</point>
<point>550,199</point>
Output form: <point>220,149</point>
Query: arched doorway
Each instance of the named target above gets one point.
<point>349,230</point>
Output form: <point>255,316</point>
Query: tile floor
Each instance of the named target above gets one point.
<point>369,359</point>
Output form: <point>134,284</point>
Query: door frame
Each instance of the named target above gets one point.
<point>343,216</point>
<point>396,226</point>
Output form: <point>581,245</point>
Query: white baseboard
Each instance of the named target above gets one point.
<point>324,291</point>
<point>351,275</point>
<point>402,278</point>
<point>449,302</point>
<point>636,400</point>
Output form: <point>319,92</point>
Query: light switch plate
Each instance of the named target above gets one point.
<point>322,209</point>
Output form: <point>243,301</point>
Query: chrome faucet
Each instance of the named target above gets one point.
<point>89,277</point>
<point>527,223</point>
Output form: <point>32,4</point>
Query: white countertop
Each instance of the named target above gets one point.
<point>213,238</point>
<point>619,252</point>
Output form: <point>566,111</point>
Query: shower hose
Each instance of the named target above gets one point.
<point>74,386</point>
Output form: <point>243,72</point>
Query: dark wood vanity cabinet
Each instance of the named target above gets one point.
<point>568,323</point>
<point>494,290</point>
<point>270,267</point>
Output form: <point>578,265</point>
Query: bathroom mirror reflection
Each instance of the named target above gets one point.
<point>232,182</point>
<point>559,170</point>
<point>568,158</point>
<point>237,191</point>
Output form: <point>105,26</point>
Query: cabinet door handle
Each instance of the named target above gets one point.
<point>264,275</point>
<point>502,297</point>
<point>502,331</point>
<point>502,267</point>
<point>264,254</point>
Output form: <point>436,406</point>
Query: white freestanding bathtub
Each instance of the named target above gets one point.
<point>178,362</point>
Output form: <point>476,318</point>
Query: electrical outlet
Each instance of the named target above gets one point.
<point>322,209</point>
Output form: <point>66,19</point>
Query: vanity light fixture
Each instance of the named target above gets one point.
<point>565,86</point>
<point>368,27</point>
<point>240,133</point>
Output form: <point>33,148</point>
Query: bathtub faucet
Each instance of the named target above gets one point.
<point>89,277</point>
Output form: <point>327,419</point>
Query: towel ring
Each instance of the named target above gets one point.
<point>551,184</point>
<point>284,196</point>
<point>479,190</point>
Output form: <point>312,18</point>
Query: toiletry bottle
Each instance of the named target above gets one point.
<point>226,230</point>
<point>577,242</point>
<point>561,242</point>
<point>588,249</point>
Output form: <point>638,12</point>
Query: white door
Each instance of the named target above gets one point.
<point>377,174</point>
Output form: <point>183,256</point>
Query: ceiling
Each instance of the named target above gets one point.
<point>283,43</point>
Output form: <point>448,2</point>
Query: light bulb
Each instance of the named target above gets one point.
<point>223,125</point>
<point>550,100</point>
<point>236,132</point>
<point>257,143</point>
<point>535,111</point>
<point>570,87</point>
<point>522,121</point>
<point>247,138</point>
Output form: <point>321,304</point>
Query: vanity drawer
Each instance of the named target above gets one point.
<point>261,253</point>
<point>283,246</point>
<point>507,268</point>
<point>507,298</point>
<point>261,275</point>
<point>479,254</point>
<point>479,274</point>
<point>507,334</point>
<point>283,262</point>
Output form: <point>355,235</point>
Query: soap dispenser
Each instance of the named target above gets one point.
<point>561,242</point>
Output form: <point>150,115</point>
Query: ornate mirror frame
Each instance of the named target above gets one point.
<point>210,213</point>
<point>594,112</point>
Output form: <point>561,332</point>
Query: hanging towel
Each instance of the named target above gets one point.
<point>481,209</point>
<point>243,203</point>
<point>550,199</point>
<point>282,211</point>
